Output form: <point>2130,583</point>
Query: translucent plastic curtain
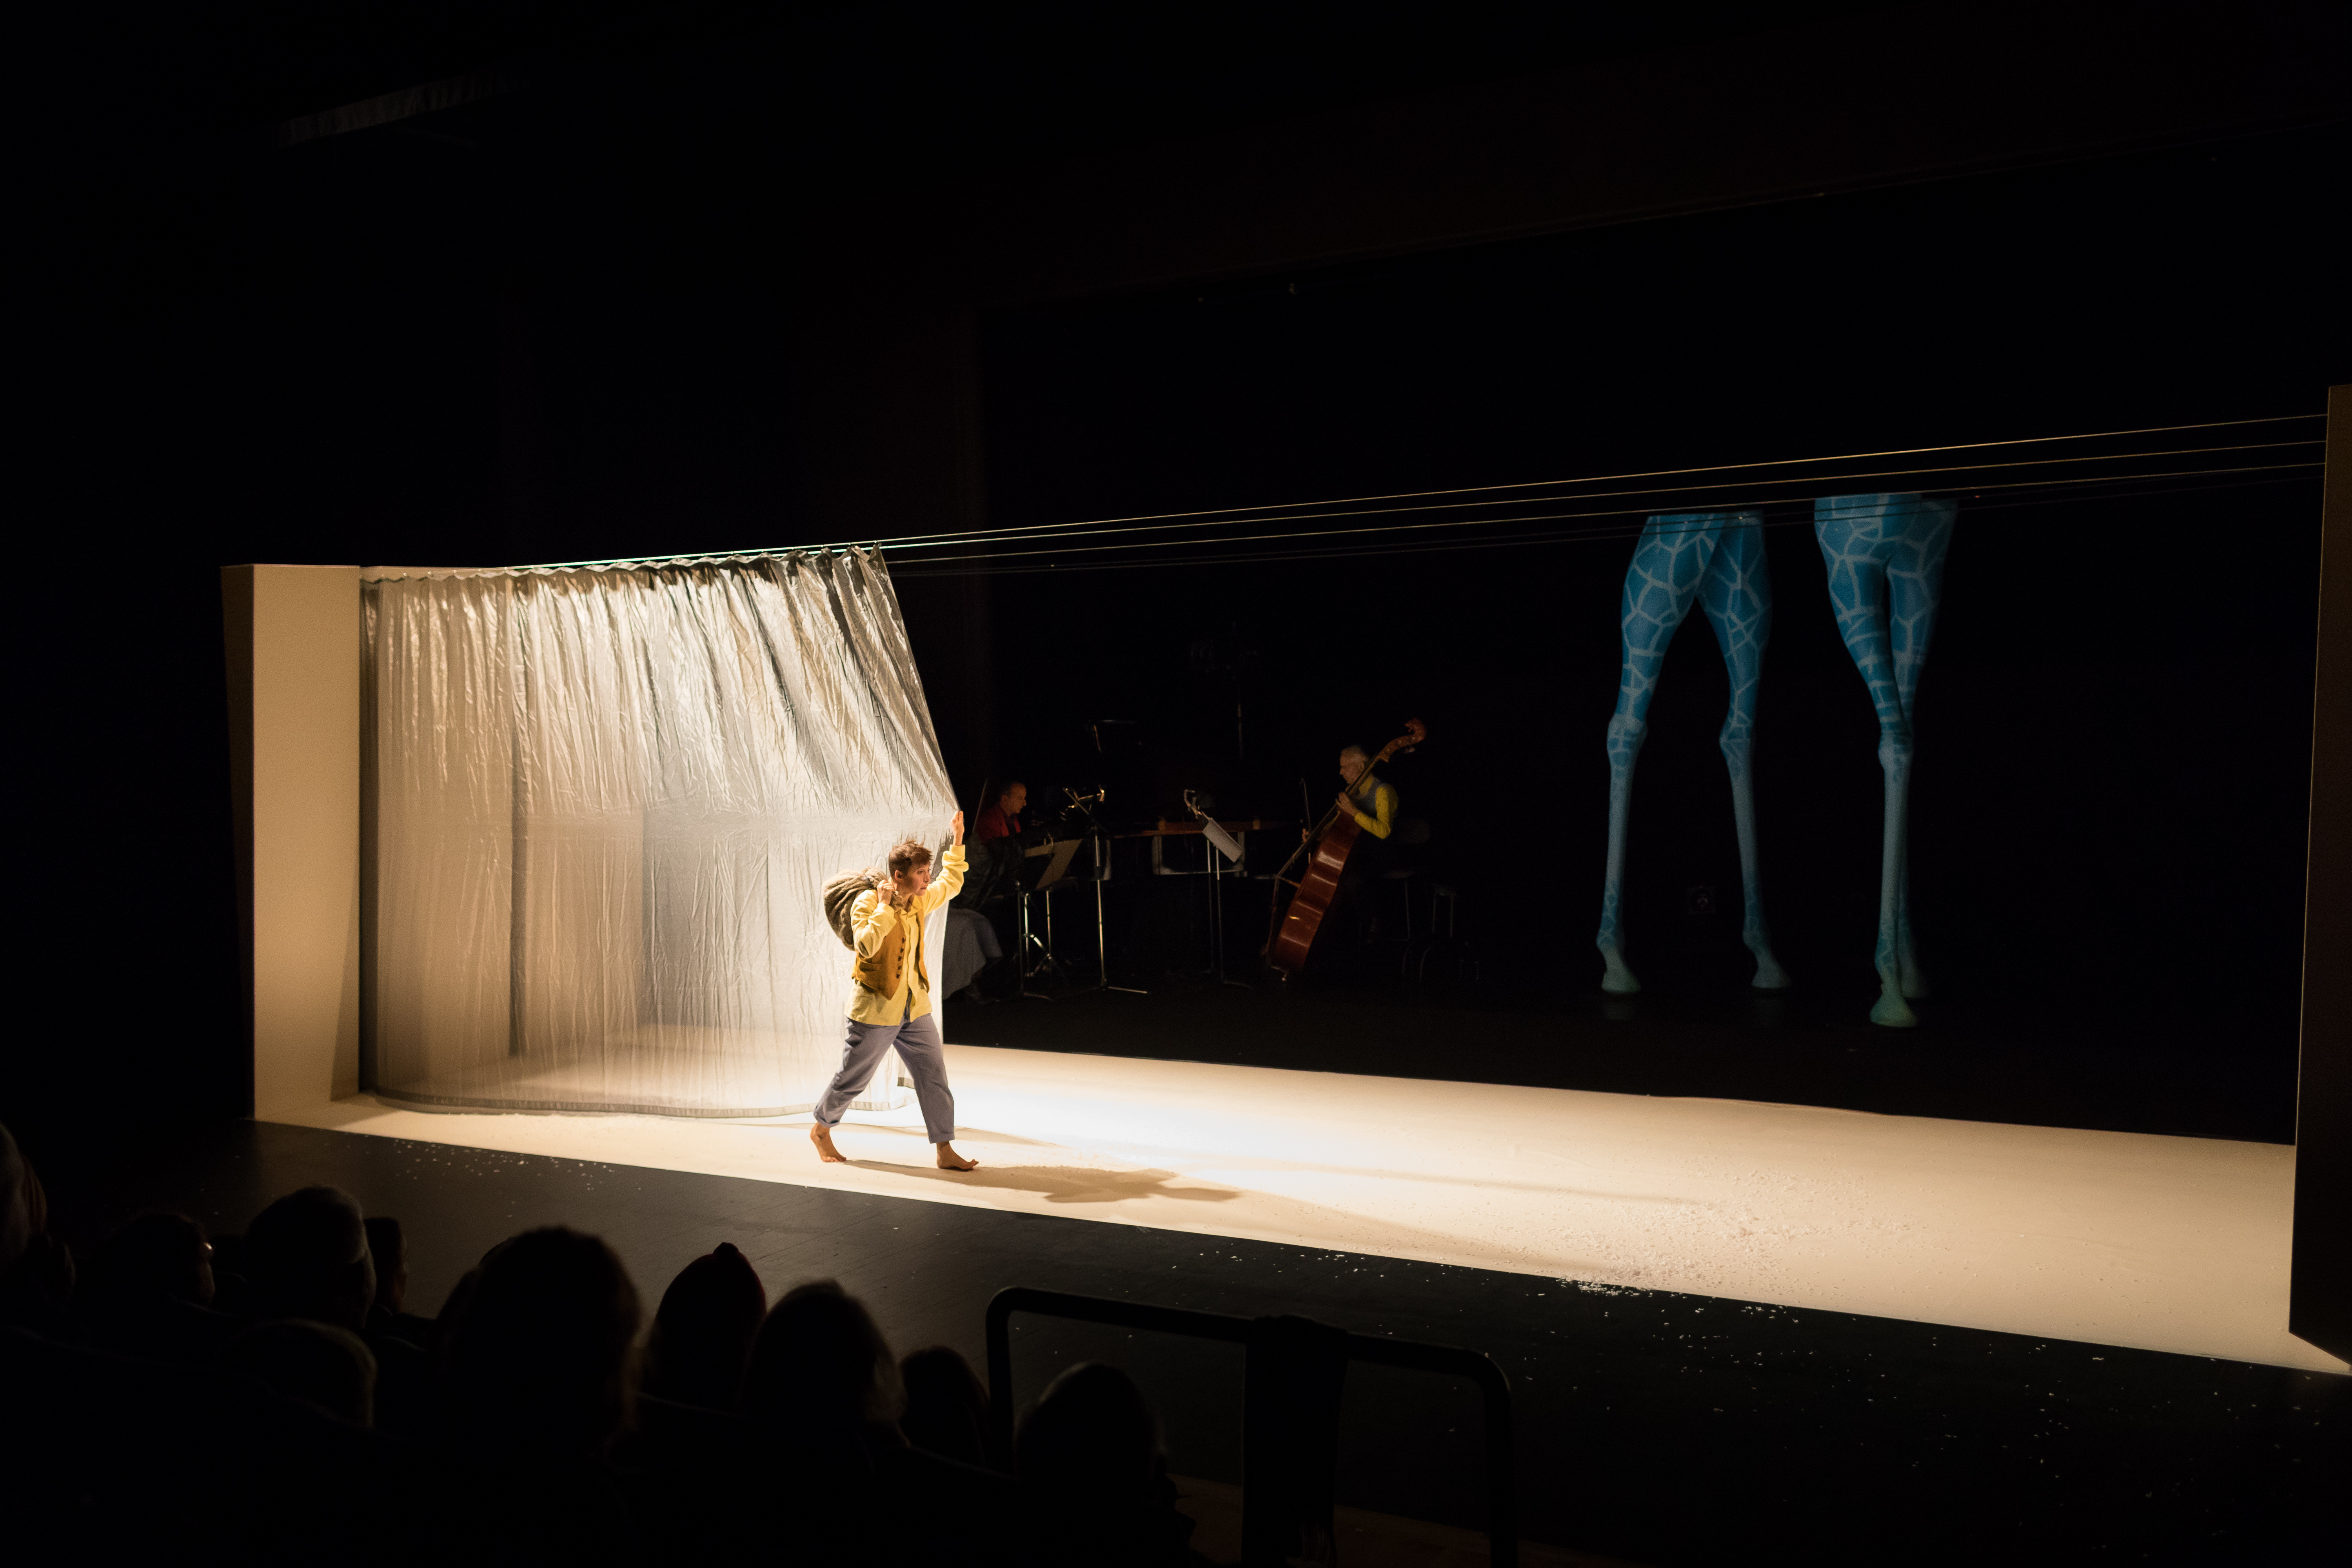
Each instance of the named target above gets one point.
<point>603,803</point>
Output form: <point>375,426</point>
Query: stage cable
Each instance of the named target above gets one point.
<point>1614,529</point>
<point>1238,515</point>
<point>1714,512</point>
<point>1304,510</point>
<point>1812,483</point>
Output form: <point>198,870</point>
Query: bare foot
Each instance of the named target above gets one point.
<point>952,1161</point>
<point>822,1136</point>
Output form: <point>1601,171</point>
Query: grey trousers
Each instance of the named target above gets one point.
<point>917,1040</point>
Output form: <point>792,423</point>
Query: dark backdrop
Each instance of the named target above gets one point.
<point>530,336</point>
<point>2113,725</point>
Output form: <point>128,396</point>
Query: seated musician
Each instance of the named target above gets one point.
<point>974,942</point>
<point>1003,820</point>
<point>1373,801</point>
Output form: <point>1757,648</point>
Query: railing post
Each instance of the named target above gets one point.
<point>1290,1438</point>
<point>1000,1367</point>
<point>1502,1469</point>
<point>1290,1441</point>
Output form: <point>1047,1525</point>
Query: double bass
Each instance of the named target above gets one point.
<point>1291,934</point>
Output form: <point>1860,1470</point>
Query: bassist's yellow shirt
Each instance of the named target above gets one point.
<point>1380,821</point>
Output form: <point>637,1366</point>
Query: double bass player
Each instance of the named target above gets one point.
<point>1372,802</point>
<point>1343,856</point>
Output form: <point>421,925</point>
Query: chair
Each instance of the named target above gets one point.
<point>1410,834</point>
<point>1458,958</point>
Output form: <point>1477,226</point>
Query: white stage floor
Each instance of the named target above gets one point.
<point>2167,1244</point>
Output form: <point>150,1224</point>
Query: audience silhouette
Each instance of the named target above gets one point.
<point>702,1334</point>
<point>306,1255</point>
<point>523,1419</point>
<point>946,1407</point>
<point>820,1366</point>
<point>536,1367</point>
<point>388,1251</point>
<point>150,1289</point>
<point>330,1368</point>
<point>1090,1450</point>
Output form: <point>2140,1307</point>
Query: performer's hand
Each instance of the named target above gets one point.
<point>957,825</point>
<point>1346,804</point>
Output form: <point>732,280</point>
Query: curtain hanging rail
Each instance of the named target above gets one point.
<point>1242,514</point>
<point>385,574</point>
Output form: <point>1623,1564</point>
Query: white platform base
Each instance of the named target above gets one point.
<point>2167,1244</point>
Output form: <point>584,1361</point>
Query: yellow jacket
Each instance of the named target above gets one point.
<point>890,957</point>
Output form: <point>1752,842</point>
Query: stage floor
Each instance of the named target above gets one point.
<point>2157,1243</point>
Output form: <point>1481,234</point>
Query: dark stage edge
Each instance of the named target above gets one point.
<point>1654,1427</point>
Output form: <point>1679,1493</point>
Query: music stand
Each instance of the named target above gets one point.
<point>1099,873</point>
<point>1043,867</point>
<point>1221,846</point>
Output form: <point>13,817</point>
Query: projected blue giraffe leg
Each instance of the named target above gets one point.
<point>1737,595</point>
<point>1915,589</point>
<point>1884,554</point>
<point>1670,561</point>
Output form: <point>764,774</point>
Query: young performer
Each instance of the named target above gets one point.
<point>890,998</point>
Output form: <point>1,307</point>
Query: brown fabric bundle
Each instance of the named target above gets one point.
<point>841,896</point>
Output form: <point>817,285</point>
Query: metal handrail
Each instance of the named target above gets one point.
<point>1502,1508</point>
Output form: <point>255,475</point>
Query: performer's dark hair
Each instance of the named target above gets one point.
<point>907,854</point>
<point>1008,787</point>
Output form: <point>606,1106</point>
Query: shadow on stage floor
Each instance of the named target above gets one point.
<point>2184,1077</point>
<point>1655,1427</point>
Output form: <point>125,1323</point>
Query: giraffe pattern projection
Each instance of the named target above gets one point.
<point>1717,559</point>
<point>1885,560</point>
